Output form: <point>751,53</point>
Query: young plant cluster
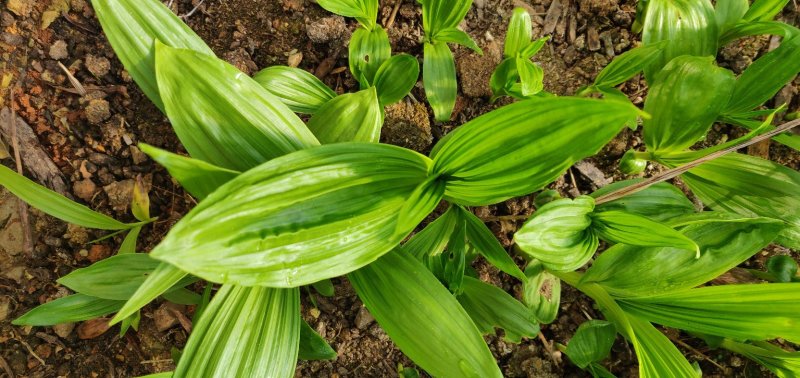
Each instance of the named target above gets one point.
<point>285,203</point>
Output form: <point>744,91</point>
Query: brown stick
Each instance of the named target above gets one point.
<point>672,173</point>
<point>27,238</point>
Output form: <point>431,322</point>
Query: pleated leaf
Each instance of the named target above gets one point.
<point>592,342</point>
<point>681,104</point>
<point>530,77</point>
<point>196,176</point>
<point>750,186</point>
<point>369,49</point>
<point>365,11</point>
<point>766,76</point>
<point>658,202</point>
<point>116,277</point>
<point>69,309</point>
<point>438,15</point>
<point>728,13</point>
<point>300,218</point>
<point>439,78</point>
<point>626,228</point>
<point>351,117</point>
<point>423,319</point>
<point>420,203</point>
<point>490,307</point>
<point>55,204</point>
<point>522,147</point>
<point>689,26</point>
<point>133,26</point>
<point>312,345</point>
<point>560,234</point>
<point>541,292</point>
<point>631,271</point>
<point>395,78</point>
<point>244,332</point>
<point>519,33</point>
<point>297,88</point>
<point>742,312</point>
<point>221,115</point>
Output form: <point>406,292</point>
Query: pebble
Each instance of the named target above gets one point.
<point>137,155</point>
<point>76,234</point>
<point>326,29</point>
<point>363,318</point>
<point>164,317</point>
<point>120,194</point>
<point>98,66</point>
<point>63,330</point>
<point>58,50</point>
<point>97,111</point>
<point>84,189</point>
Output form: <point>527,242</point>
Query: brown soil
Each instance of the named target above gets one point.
<point>91,140</point>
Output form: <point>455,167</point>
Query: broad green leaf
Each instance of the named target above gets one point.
<point>365,11</point>
<point>729,12</point>
<point>746,29</point>
<point>438,15</point>
<point>560,234</point>
<point>764,10</point>
<point>196,176</point>
<point>627,65</point>
<point>395,78</point>
<point>55,204</point>
<point>221,115</point>
<point>530,77</point>
<point>116,277</point>
<point>420,203</point>
<point>245,332</point>
<point>425,321</point>
<point>592,342</point>
<point>541,292</point>
<point>681,105</point>
<point>439,78</point>
<point>164,277</point>
<point>351,117</point>
<point>750,186</point>
<point>631,271</point>
<point>537,145</point>
<point>626,228</point>
<point>658,202</point>
<point>766,76</point>
<point>433,238</point>
<point>133,26</point>
<point>484,242</point>
<point>369,49</point>
<point>742,312</point>
<point>284,223</point>
<point>458,36</point>
<point>312,345</point>
<point>129,243</point>
<point>689,26</point>
<point>519,33</point>
<point>490,307</point>
<point>72,308</point>
<point>297,88</point>
<point>782,363</point>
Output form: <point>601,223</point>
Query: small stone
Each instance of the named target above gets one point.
<point>20,7</point>
<point>58,50</point>
<point>98,66</point>
<point>164,317</point>
<point>97,111</point>
<point>294,59</point>
<point>63,330</point>
<point>92,328</point>
<point>84,189</point>
<point>363,318</point>
<point>314,312</point>
<point>98,252</point>
<point>137,155</point>
<point>326,29</point>
<point>83,252</point>
<point>5,306</point>
<point>120,194</point>
<point>76,234</point>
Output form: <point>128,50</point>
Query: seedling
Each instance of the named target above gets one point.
<point>517,75</point>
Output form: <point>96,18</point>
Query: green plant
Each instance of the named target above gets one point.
<point>517,75</point>
<point>440,19</point>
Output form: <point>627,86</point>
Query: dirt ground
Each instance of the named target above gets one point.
<point>84,147</point>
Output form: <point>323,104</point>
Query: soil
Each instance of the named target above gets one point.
<point>89,144</point>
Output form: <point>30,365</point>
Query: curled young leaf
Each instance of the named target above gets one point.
<point>681,105</point>
<point>438,15</point>
<point>537,144</point>
<point>369,49</point>
<point>689,26</point>
<point>436,332</point>
<point>140,205</point>
<point>490,307</point>
<point>560,235</point>
<point>439,78</point>
<point>351,117</point>
<point>458,36</point>
<point>395,78</point>
<point>204,96</point>
<point>312,345</point>
<point>530,77</point>
<point>519,33</point>
<point>592,342</point>
<point>283,223</point>
<point>245,332</point>
<point>297,88</point>
<point>541,292</point>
